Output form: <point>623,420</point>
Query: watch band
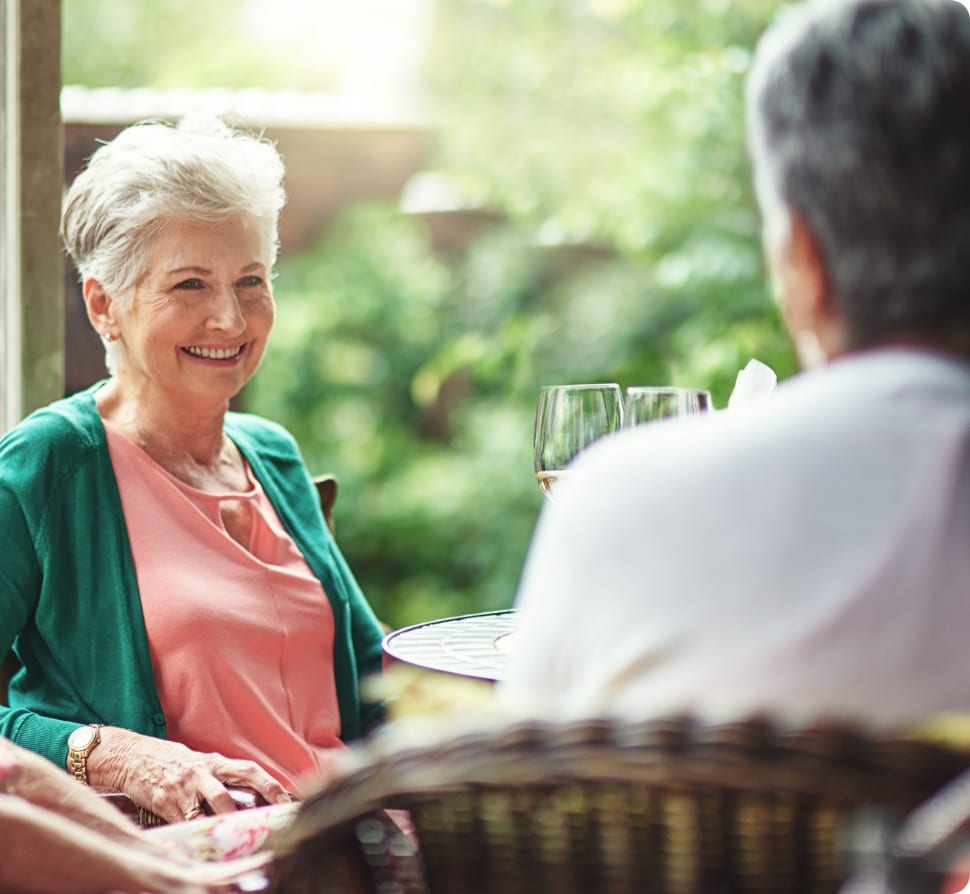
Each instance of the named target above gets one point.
<point>79,756</point>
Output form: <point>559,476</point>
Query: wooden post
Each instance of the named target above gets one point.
<point>31,158</point>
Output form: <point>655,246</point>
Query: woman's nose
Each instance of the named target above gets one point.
<point>225,312</point>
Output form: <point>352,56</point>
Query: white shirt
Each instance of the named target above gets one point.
<point>808,556</point>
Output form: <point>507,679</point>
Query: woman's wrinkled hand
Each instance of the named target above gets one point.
<point>172,781</point>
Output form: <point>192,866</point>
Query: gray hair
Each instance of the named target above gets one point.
<point>859,120</point>
<point>153,173</point>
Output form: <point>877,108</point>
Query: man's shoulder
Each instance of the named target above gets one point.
<point>794,443</point>
<point>696,459</point>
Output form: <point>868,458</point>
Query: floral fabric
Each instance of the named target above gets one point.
<point>227,836</point>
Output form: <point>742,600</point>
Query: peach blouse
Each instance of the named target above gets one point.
<point>241,639</point>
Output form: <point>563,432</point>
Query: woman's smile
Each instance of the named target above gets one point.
<point>221,355</point>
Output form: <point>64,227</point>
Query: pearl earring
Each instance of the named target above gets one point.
<point>109,337</point>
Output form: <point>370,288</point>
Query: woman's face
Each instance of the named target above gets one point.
<point>201,313</point>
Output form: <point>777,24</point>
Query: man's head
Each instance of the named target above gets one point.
<point>859,134</point>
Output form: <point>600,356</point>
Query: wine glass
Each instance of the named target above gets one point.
<point>568,419</point>
<point>648,404</point>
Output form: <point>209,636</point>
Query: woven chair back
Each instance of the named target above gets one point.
<point>669,806</point>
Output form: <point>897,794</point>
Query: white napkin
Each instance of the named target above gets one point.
<point>754,382</point>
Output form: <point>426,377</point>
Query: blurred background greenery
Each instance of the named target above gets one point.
<point>596,147</point>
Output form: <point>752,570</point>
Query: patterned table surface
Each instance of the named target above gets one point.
<point>469,645</point>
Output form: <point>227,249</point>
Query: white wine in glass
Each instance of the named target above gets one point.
<point>649,404</point>
<point>568,419</point>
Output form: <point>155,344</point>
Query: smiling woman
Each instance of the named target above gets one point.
<point>197,319</point>
<point>237,635</point>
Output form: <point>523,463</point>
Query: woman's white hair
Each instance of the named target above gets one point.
<point>154,173</point>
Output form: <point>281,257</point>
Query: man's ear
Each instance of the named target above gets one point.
<point>813,320</point>
<point>100,308</point>
<point>801,276</point>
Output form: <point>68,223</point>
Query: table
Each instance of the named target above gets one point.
<point>468,645</point>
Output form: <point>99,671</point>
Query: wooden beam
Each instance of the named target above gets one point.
<point>32,159</point>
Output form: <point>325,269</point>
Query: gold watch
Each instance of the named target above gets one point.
<point>79,745</point>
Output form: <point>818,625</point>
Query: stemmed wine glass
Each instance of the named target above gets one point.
<point>648,404</point>
<point>568,419</point>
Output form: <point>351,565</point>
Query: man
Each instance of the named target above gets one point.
<point>809,556</point>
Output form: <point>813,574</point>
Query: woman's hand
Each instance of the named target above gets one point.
<point>169,779</point>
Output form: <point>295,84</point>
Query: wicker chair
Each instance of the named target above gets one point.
<point>601,807</point>
<point>927,852</point>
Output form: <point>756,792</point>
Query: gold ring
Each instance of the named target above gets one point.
<point>194,812</point>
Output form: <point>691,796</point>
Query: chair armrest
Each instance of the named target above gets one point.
<point>327,490</point>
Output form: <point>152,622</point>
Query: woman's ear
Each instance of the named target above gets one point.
<point>100,309</point>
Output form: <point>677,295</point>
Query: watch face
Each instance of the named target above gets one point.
<point>82,738</point>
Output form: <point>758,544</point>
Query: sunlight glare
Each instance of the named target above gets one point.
<point>373,47</point>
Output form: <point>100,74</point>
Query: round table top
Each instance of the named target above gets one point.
<point>469,645</point>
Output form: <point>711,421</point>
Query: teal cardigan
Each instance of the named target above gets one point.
<point>69,601</point>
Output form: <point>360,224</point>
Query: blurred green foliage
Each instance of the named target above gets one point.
<point>401,372</point>
<point>610,137</point>
<point>599,146</point>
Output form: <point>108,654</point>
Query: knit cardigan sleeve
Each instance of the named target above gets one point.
<point>68,595</point>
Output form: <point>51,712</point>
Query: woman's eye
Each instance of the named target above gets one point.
<point>249,282</point>
<point>189,284</point>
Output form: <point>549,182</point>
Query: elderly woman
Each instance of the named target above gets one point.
<point>808,557</point>
<point>183,617</point>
